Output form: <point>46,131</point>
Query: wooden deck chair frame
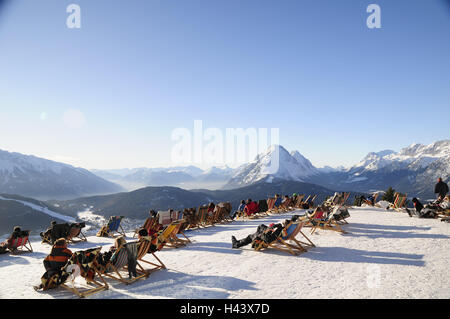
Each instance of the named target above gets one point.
<point>289,243</point>
<point>174,240</point>
<point>96,285</point>
<point>116,269</point>
<point>299,201</point>
<point>203,216</point>
<point>328,223</point>
<point>270,203</point>
<point>81,237</point>
<point>111,233</point>
<point>147,224</point>
<point>21,244</point>
<point>143,251</point>
<point>399,202</point>
<point>311,201</point>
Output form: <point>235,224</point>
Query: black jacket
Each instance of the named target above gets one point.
<point>441,188</point>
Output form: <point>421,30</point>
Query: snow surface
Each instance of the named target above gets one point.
<point>386,254</point>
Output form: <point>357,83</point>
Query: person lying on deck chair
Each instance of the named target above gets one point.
<point>15,234</point>
<point>277,201</point>
<point>143,235</point>
<point>239,210</point>
<point>110,255</point>
<point>54,262</point>
<point>55,231</point>
<point>263,232</point>
<point>421,211</point>
<point>251,208</point>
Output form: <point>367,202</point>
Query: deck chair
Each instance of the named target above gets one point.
<point>75,232</point>
<point>299,201</point>
<point>271,208</point>
<point>20,244</point>
<point>151,224</point>
<point>399,202</point>
<point>203,216</point>
<point>368,202</point>
<point>120,262</point>
<point>143,251</point>
<point>87,263</point>
<point>311,201</point>
<point>176,241</point>
<point>286,206</point>
<point>113,226</point>
<point>327,223</point>
<point>287,241</point>
<point>164,217</point>
<point>270,204</point>
<point>192,218</point>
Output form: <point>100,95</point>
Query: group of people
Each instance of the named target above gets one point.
<point>59,256</point>
<point>250,208</point>
<point>432,210</point>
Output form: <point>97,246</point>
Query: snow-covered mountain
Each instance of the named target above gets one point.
<point>36,177</point>
<point>413,170</point>
<point>274,164</point>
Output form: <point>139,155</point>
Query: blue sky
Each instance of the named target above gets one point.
<point>138,69</point>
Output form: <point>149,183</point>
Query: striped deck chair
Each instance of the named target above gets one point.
<point>287,241</point>
<point>270,204</point>
<point>84,264</point>
<point>399,202</point>
<point>152,226</point>
<point>164,217</point>
<point>113,226</point>
<point>20,244</point>
<point>120,262</point>
<point>143,251</point>
<point>75,232</point>
<point>328,222</point>
<point>147,225</point>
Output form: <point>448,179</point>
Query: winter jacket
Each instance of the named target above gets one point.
<point>251,208</point>
<point>262,205</point>
<point>57,258</point>
<point>241,207</point>
<point>441,188</point>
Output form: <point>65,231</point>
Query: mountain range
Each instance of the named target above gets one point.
<point>412,170</point>
<point>36,177</point>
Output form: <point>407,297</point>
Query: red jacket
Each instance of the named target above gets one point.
<point>251,208</point>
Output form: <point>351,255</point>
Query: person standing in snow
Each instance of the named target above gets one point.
<point>263,232</point>
<point>441,188</point>
<point>421,211</point>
